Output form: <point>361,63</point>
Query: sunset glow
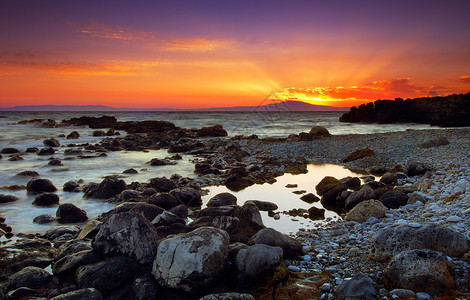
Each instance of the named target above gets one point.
<point>195,54</point>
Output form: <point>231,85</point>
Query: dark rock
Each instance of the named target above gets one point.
<point>398,168</point>
<point>227,223</point>
<point>238,183</point>
<point>394,199</point>
<point>250,221</point>
<point>52,142</point>
<point>92,122</point>
<point>264,205</point>
<point>305,137</point>
<point>15,157</point>
<point>164,200</point>
<point>55,162</point>
<point>40,185</point>
<point>161,162</point>
<point>28,174</point>
<point>130,171</point>
<point>180,210</point>
<point>353,183</point>
<point>202,255</point>
<point>108,188</point>
<point>319,132</point>
<point>162,184</point>
<point>187,196</point>
<point>73,135</point>
<point>392,178</point>
<point>98,133</point>
<point>204,169</point>
<point>31,277</point>
<point>70,263</point>
<point>110,132</point>
<point>330,198</point>
<point>129,234</point>
<point>326,184</point>
<point>71,186</point>
<point>358,154</point>
<point>46,199</point>
<point>45,151</point>
<point>129,196</point>
<point>358,287</point>
<point>415,169</point>
<point>7,198</point>
<point>145,288</point>
<point>71,152</point>
<point>315,213</point>
<point>69,213</point>
<point>21,293</point>
<point>212,131</point>
<point>309,198</point>
<point>43,219</point>
<point>365,193</point>
<point>167,218</point>
<point>106,275</point>
<point>72,247</point>
<point>222,199</point>
<point>31,150</point>
<point>377,170</point>
<point>439,141</point>
<point>89,230</point>
<point>292,248</point>
<point>9,151</point>
<point>88,294</point>
<point>58,231</point>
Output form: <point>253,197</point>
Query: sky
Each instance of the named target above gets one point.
<point>220,53</point>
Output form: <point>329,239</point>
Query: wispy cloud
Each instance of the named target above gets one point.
<point>113,32</point>
<point>465,79</point>
<point>198,44</point>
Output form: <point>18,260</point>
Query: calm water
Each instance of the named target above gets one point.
<point>21,213</point>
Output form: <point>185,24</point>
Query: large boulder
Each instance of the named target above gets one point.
<point>326,184</point>
<point>365,193</point>
<point>319,132</point>
<point>420,270</point>
<point>256,263</point>
<point>212,131</point>
<point>88,293</point>
<point>40,185</point>
<point>238,183</point>
<point>162,184</point>
<point>69,213</point>
<point>46,199</point>
<point>365,210</point>
<point>149,211</point>
<point>164,200</point>
<point>71,186</point>
<point>268,236</point>
<point>108,188</point>
<point>222,199</point>
<point>70,263</point>
<point>394,199</point>
<point>392,240</point>
<point>30,277</point>
<point>129,234</point>
<point>360,286</point>
<point>106,275</point>
<point>250,221</point>
<point>187,196</point>
<point>200,259</point>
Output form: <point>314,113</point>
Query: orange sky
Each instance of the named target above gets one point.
<point>188,56</point>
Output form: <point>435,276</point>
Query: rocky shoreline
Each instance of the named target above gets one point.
<point>158,243</point>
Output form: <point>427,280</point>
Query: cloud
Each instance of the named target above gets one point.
<point>113,32</point>
<point>195,45</point>
<point>465,79</point>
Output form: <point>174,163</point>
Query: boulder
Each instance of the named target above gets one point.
<point>394,199</point>
<point>161,162</point>
<point>256,263</point>
<point>187,196</point>
<point>201,256</point>
<point>90,229</point>
<point>332,198</point>
<point>108,188</point>
<point>30,277</point>
<point>28,174</point>
<point>106,275</point>
<point>263,205</point>
<point>365,193</point>
<point>360,286</point>
<point>292,248</point>
<point>7,198</point>
<point>89,294</point>
<point>392,178</point>
<point>353,183</point>
<point>358,154</point>
<point>145,288</point>
<point>420,270</point>
<point>46,199</point>
<point>164,200</point>
<point>167,218</point>
<point>97,133</point>
<point>40,185</point>
<point>418,168</point>
<point>130,171</point>
<point>238,183</point>
<point>58,231</point>
<point>365,210</point>
<point>73,135</point>
<point>222,199</point>
<point>9,150</point>
<point>212,131</point>
<point>69,213</point>
<point>70,263</point>
<point>45,151</point>
<point>315,213</point>
<point>391,240</point>
<point>129,196</point>
<point>250,220</point>
<point>43,219</point>
<point>52,142</point>
<point>319,132</point>
<point>326,184</point>
<point>162,184</point>
<point>180,210</point>
<point>129,234</point>
<point>227,223</point>
<point>71,186</point>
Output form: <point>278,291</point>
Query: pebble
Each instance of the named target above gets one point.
<point>454,219</point>
<point>422,295</point>
<point>276,217</point>
<point>414,225</point>
<point>325,287</point>
<point>293,268</point>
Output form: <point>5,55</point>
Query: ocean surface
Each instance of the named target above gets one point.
<point>20,214</point>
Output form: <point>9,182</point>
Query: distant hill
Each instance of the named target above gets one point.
<point>280,106</point>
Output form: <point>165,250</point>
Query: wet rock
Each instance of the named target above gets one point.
<point>315,213</point>
<point>180,210</point>
<point>358,287</point>
<point>43,219</point>
<point>164,200</point>
<point>30,277</point>
<point>201,254</point>
<point>9,150</point>
<point>332,198</point>
<point>40,185</point>
<point>403,293</point>
<point>106,275</point>
<point>263,205</point>
<point>439,141</point>
<point>58,231</point>
<point>45,151</point>
<point>365,193</point>
<point>162,184</point>
<point>69,213</point>
<point>90,229</point>
<point>15,157</point>
<point>352,183</point>
<point>52,142</point>
<point>46,199</point>
<point>108,188</point>
<point>73,135</point>
<point>420,270</point>
<point>326,184</point>
<point>7,198</point>
<point>129,234</point>
<point>222,199</point>
<point>71,152</point>
<point>167,218</point>
<point>204,169</point>
<point>161,162</point>
<point>394,199</point>
<point>130,171</point>
<point>71,186</point>
<point>212,131</point>
<point>309,198</point>
<point>129,196</point>
<point>88,293</point>
<point>292,248</point>
<point>393,239</point>
<point>28,174</point>
<point>319,132</point>
<point>358,154</point>
<point>228,296</point>
<point>98,133</point>
<point>187,196</point>
<point>250,220</point>
<point>254,264</point>
<point>227,223</point>
<point>70,263</point>
<point>31,150</point>
<point>55,162</point>
<point>238,183</point>
<point>365,210</point>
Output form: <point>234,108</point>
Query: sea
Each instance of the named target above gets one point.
<point>20,214</point>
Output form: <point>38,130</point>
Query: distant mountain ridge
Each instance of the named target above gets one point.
<point>279,106</point>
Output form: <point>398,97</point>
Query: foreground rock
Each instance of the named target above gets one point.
<point>201,255</point>
<point>268,236</point>
<point>359,287</point>
<point>30,277</point>
<point>365,210</point>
